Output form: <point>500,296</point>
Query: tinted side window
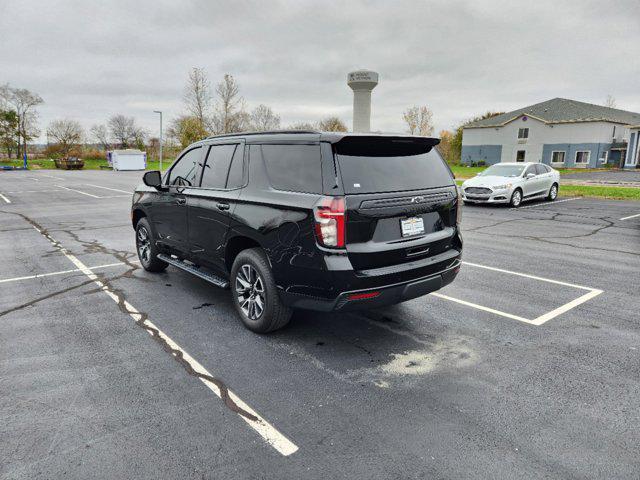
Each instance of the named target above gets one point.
<point>214,174</point>
<point>184,170</point>
<point>295,168</point>
<point>236,171</point>
<point>530,169</point>
<point>541,169</point>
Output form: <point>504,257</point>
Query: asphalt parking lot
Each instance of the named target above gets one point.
<point>527,366</point>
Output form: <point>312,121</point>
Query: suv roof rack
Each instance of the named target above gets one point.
<point>270,132</point>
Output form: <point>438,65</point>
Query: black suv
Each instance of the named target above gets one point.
<point>313,220</point>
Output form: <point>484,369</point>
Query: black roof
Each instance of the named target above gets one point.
<point>332,137</point>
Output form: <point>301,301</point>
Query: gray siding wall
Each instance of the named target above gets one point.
<point>570,150</point>
<point>490,154</point>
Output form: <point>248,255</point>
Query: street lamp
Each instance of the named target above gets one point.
<point>158,111</point>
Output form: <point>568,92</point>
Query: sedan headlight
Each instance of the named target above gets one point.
<point>502,187</point>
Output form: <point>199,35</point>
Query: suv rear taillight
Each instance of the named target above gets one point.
<point>459,207</point>
<point>329,216</point>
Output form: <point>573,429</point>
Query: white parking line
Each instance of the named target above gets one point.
<point>78,191</point>
<point>62,272</point>
<point>591,293</point>
<point>267,431</point>
<point>107,188</point>
<point>630,216</point>
<point>546,204</point>
<point>5,198</point>
<point>481,307</point>
<point>32,191</point>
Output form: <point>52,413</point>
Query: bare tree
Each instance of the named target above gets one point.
<point>122,129</point>
<point>332,124</point>
<point>66,134</point>
<point>197,95</point>
<point>230,115</point>
<point>263,119</point>
<point>23,102</point>
<point>302,126</point>
<point>610,101</point>
<point>101,134</point>
<point>419,120</point>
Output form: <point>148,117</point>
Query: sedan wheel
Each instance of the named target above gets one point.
<point>553,193</point>
<point>516,198</point>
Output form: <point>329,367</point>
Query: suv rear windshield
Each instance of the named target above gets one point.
<point>408,170</point>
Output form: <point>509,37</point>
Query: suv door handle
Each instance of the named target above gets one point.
<point>223,206</point>
<point>181,201</point>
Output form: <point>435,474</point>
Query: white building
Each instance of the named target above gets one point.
<point>633,152</point>
<point>558,132</point>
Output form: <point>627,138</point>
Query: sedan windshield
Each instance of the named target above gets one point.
<point>503,171</point>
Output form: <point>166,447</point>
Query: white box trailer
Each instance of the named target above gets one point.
<point>129,159</point>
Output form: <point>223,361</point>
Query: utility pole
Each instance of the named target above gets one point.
<point>158,111</point>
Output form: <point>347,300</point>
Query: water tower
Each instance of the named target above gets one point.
<point>362,82</point>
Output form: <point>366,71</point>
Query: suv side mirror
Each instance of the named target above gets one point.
<point>152,179</point>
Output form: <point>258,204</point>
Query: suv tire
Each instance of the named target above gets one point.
<point>255,294</point>
<point>147,249</point>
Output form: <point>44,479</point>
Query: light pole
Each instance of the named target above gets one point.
<point>158,111</point>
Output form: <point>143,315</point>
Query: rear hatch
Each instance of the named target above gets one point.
<point>400,198</point>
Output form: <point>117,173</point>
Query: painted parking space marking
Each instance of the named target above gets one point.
<point>78,191</point>
<point>5,198</point>
<point>268,432</point>
<point>62,272</point>
<point>630,217</point>
<point>546,204</point>
<point>95,196</point>
<point>540,320</point>
<point>108,188</point>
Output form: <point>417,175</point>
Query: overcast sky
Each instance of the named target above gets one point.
<point>89,60</point>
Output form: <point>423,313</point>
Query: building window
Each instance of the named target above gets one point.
<point>582,157</point>
<point>557,157</point>
<point>604,156</point>
<point>520,155</point>
<point>523,133</point>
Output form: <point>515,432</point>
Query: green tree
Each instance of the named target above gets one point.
<point>187,129</point>
<point>456,140</point>
<point>23,103</point>
<point>9,133</point>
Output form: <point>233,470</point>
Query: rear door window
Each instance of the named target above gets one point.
<point>216,169</point>
<point>295,168</point>
<point>236,171</point>
<point>183,172</point>
<point>376,174</point>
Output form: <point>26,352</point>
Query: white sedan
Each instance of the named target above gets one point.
<point>512,183</point>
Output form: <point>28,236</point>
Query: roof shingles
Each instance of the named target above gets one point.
<point>561,110</point>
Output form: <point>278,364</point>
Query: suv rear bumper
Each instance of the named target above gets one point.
<point>375,297</point>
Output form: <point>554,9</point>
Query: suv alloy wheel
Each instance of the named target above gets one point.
<point>255,294</point>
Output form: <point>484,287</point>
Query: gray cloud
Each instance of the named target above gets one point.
<point>89,60</point>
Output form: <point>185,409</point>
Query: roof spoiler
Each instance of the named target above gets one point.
<point>384,146</point>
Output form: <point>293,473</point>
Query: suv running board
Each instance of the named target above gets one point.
<point>192,269</point>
